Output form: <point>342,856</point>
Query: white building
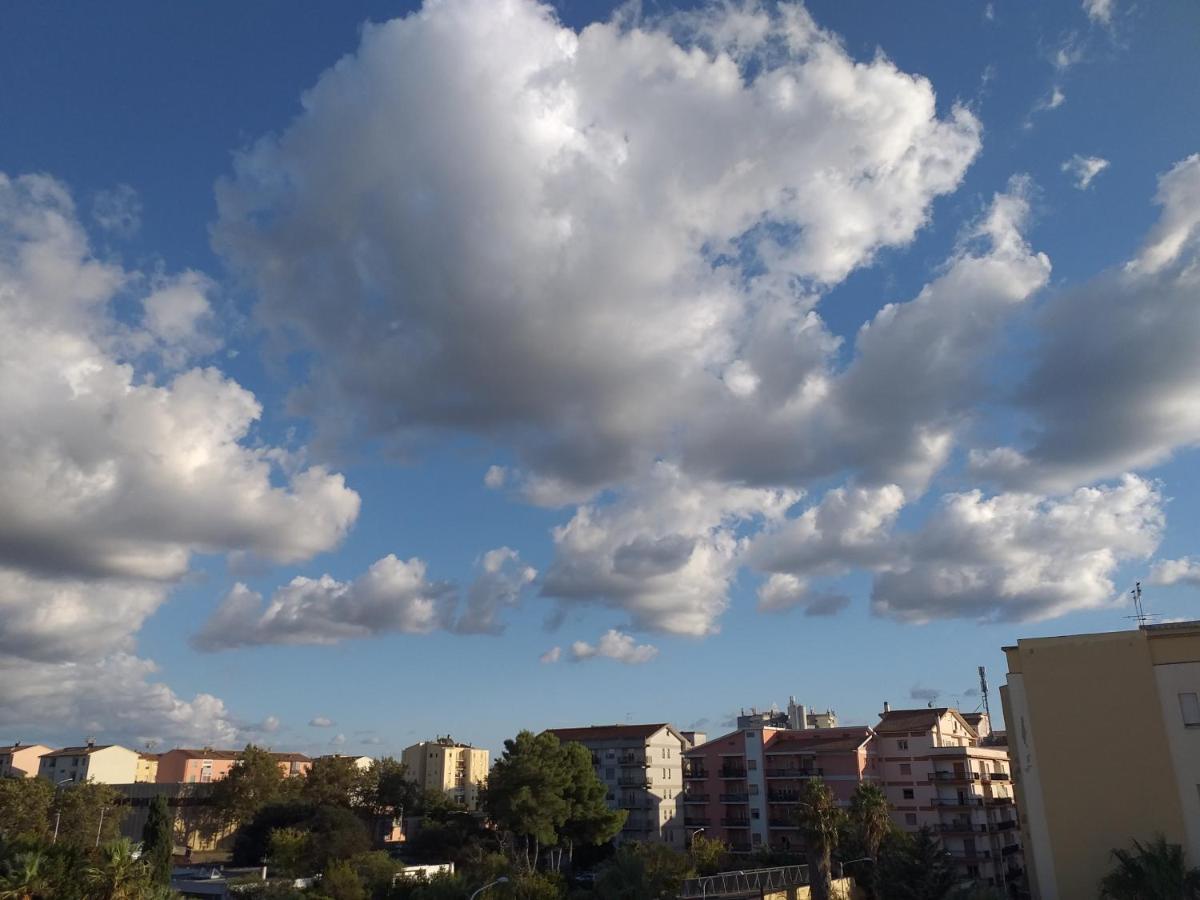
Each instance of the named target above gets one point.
<point>104,763</point>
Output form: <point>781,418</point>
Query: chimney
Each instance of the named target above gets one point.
<point>887,707</point>
<point>91,742</point>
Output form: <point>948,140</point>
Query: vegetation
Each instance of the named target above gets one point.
<point>1154,870</point>
<point>158,843</point>
<point>820,821</point>
<point>914,867</point>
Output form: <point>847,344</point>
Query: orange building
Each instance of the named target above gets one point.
<point>184,766</point>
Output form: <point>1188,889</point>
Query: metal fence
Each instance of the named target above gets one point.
<point>747,883</point>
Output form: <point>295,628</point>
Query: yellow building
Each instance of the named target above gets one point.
<point>459,770</point>
<point>147,768</point>
<point>1104,739</point>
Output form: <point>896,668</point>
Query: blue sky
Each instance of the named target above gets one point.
<point>486,239</point>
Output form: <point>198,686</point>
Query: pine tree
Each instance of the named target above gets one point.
<point>158,841</point>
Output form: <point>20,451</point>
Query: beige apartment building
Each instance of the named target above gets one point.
<point>938,773</point>
<point>1104,737</point>
<point>104,763</point>
<point>459,770</point>
<point>147,768</point>
<point>21,760</point>
<point>642,767</point>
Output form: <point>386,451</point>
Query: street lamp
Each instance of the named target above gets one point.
<point>842,865</point>
<point>503,879</point>
<point>58,812</point>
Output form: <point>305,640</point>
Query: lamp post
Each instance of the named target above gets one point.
<point>99,827</point>
<point>58,812</point>
<point>503,879</point>
<point>842,865</point>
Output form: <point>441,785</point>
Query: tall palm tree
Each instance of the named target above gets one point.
<point>871,817</point>
<point>119,876</point>
<point>1154,870</point>
<point>25,877</point>
<point>819,818</point>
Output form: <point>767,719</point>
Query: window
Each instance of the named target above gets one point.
<point>610,773</point>
<point>902,744</point>
<point>905,769</point>
<point>910,818</point>
<point>757,838</point>
<point>753,790</point>
<point>908,793</point>
<point>1189,705</point>
<point>754,813</point>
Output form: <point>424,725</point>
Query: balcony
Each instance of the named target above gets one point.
<point>740,797</point>
<point>955,803</point>
<point>777,822</point>
<point>695,798</point>
<point>961,827</point>
<point>695,820</point>
<point>695,772</point>
<point>634,803</point>
<point>996,776</point>
<point>1000,801</point>
<point>955,777</point>
<point>733,772</point>
<point>1006,825</point>
<point>1010,850</point>
<point>633,781</point>
<point>795,773</point>
<point>784,796</point>
<point>630,760</point>
<point>969,855</point>
<point>735,822</point>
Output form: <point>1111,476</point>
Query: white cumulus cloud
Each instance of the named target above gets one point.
<point>1176,571</point>
<point>615,645</point>
<point>1084,168</point>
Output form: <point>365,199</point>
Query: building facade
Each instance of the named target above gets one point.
<point>104,763</point>
<point>458,770</point>
<point>642,768</point>
<point>1104,737</point>
<point>147,768</point>
<point>21,760</point>
<point>938,774</point>
<point>185,766</point>
<point>743,788</point>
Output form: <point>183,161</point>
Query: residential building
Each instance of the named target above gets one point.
<point>937,774</point>
<point>362,763</point>
<point>796,718</point>
<point>21,760</point>
<point>459,770</point>
<point>104,763</point>
<point>147,768</point>
<point>1104,736</point>
<point>191,828</point>
<point>744,787</point>
<point>642,768</point>
<point>186,766</point>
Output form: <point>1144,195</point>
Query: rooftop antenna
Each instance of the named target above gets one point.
<point>1139,610</point>
<point>983,691</point>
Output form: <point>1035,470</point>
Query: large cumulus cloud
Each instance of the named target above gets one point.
<point>119,460</point>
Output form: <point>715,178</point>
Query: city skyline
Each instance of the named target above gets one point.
<point>389,371</point>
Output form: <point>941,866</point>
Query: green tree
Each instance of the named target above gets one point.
<point>914,867</point>
<point>340,882</point>
<point>288,852</point>
<point>643,872</point>
<point>819,820</point>
<point>588,818</point>
<point>118,876</point>
<point>1154,870</point>
<point>706,854</point>
<point>526,793</point>
<point>158,841</point>
<point>254,782</point>
<point>334,781</point>
<point>871,820</point>
<point>388,790</point>
<point>88,814</point>
<point>25,808</point>
<point>25,876</point>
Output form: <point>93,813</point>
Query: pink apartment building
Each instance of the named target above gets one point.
<point>183,766</point>
<point>743,787</point>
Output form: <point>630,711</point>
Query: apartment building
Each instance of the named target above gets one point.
<point>187,766</point>
<point>797,717</point>
<point>642,767</point>
<point>104,763</point>
<point>1104,737</point>
<point>21,760</point>
<point>147,768</point>
<point>938,774</point>
<point>459,770</point>
<point>744,787</point>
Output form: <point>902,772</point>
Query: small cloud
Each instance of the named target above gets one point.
<point>321,722</point>
<point>700,724</point>
<point>1068,55</point>
<point>374,741</point>
<point>614,645</point>
<point>971,692</point>
<point>989,12</point>
<point>118,210</point>
<point>337,740</point>
<point>553,655</point>
<point>496,477</point>
<point>1084,168</point>
<point>1099,11</point>
<point>923,693</point>
<point>1176,571</point>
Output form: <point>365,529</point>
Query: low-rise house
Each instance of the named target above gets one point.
<point>104,763</point>
<point>187,766</point>
<point>21,760</point>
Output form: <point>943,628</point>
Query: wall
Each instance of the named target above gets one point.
<point>1184,742</point>
<point>112,765</point>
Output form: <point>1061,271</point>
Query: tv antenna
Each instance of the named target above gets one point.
<point>983,691</point>
<point>1139,610</point>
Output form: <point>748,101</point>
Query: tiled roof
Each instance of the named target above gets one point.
<point>237,754</point>
<point>607,732</point>
<point>825,740</point>
<point>148,756</point>
<point>78,751</point>
<point>910,719</point>
<point>13,748</point>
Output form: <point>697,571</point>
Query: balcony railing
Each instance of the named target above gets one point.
<point>955,777</point>
<point>969,854</point>
<point>735,822</point>
<point>795,773</point>
<point>695,798</point>
<point>777,822</point>
<point>960,827</point>
<point>1011,849</point>
<point>956,803</point>
<point>695,772</point>
<point>634,803</point>
<point>1000,801</point>
<point>733,772</point>
<point>735,798</point>
<point>996,776</point>
<point>633,781</point>
<point>695,820</point>
<point>629,759</point>
<point>1006,825</point>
